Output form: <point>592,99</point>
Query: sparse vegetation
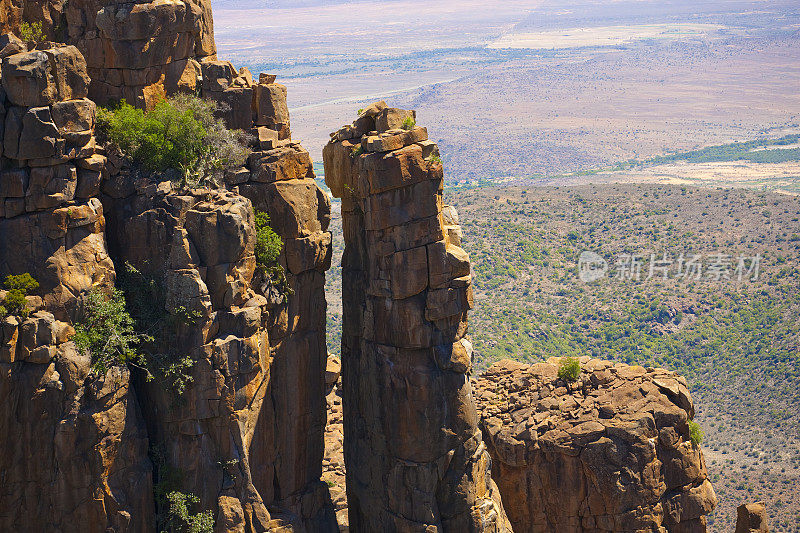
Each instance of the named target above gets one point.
<point>180,518</point>
<point>31,33</point>
<point>695,433</point>
<point>174,507</point>
<point>162,359</point>
<point>180,135</point>
<point>267,250</point>
<point>268,243</point>
<point>105,331</point>
<point>569,369</point>
<point>18,287</point>
<point>409,123</point>
<point>357,151</point>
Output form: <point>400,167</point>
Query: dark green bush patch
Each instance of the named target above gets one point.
<point>105,332</point>
<point>180,135</point>
<point>569,369</point>
<point>18,287</point>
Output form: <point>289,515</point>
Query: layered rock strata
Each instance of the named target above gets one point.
<point>246,436</point>
<point>609,452</point>
<point>74,442</point>
<point>415,456</point>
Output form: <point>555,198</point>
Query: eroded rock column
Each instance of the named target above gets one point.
<point>415,457</point>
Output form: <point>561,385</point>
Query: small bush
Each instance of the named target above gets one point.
<point>267,250</point>
<point>180,134</point>
<point>147,306</point>
<point>569,369</point>
<point>18,287</point>
<point>436,159</point>
<point>180,519</point>
<point>409,123</point>
<point>268,243</point>
<point>31,32</point>
<point>105,332</point>
<point>357,151</point>
<point>695,433</point>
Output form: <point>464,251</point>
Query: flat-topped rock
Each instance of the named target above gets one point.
<point>610,451</point>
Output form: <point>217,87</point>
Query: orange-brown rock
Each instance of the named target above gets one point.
<point>415,457</point>
<point>751,518</point>
<point>609,452</point>
<point>74,445</point>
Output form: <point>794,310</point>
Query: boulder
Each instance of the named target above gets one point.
<point>42,77</point>
<point>751,518</point>
<point>271,109</point>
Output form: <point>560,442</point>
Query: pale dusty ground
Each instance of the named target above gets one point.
<point>601,36</point>
<point>779,177</point>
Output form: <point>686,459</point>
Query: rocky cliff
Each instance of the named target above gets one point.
<point>415,456</point>
<point>235,412</point>
<point>87,450</point>
<point>610,451</point>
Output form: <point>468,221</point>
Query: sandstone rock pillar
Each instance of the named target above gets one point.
<point>414,454</point>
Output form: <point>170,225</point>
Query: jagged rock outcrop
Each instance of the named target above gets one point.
<point>246,436</point>
<point>751,518</point>
<point>74,443</point>
<point>415,457</point>
<point>610,452</point>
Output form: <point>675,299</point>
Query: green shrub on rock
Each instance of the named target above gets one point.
<point>267,250</point>
<point>106,331</point>
<point>31,33</point>
<point>409,123</point>
<point>695,433</point>
<point>18,287</point>
<point>268,243</point>
<point>180,135</point>
<point>569,369</point>
<point>181,519</point>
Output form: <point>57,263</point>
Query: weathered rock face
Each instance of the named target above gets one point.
<point>74,443</point>
<point>74,446</point>
<point>246,436</point>
<point>610,452</point>
<point>415,456</point>
<point>248,432</point>
<point>751,518</point>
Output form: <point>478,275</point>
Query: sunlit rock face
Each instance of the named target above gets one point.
<point>608,452</point>
<point>414,454</point>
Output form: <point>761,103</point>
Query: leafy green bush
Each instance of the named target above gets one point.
<point>173,507</point>
<point>268,243</point>
<point>105,332</point>
<point>179,134</point>
<point>181,520</point>
<point>695,433</point>
<point>14,301</point>
<point>409,123</point>
<point>569,369</point>
<point>267,250</point>
<point>31,32</point>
